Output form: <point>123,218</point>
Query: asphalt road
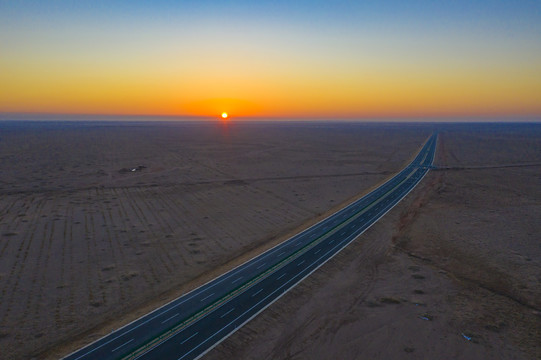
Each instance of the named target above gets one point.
<point>192,324</point>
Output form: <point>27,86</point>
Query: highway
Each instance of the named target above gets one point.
<point>192,324</point>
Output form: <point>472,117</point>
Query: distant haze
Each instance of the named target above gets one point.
<point>272,59</point>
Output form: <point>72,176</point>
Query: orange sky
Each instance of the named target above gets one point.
<point>267,67</point>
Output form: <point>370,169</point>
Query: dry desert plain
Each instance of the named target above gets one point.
<point>452,272</point>
<point>87,245</point>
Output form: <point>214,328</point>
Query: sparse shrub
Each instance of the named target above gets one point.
<point>389,300</point>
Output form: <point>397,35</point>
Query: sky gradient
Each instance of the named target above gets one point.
<point>272,59</point>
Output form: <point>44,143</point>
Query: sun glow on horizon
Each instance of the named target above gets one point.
<point>380,60</point>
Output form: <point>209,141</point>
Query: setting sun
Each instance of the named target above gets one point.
<point>224,115</point>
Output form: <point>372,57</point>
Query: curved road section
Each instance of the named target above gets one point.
<point>192,324</point>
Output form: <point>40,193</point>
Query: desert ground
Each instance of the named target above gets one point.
<point>452,272</point>
<point>101,222</point>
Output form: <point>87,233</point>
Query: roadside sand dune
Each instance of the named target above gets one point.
<point>87,244</point>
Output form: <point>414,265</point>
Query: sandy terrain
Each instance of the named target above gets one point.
<point>453,272</point>
<point>87,244</point>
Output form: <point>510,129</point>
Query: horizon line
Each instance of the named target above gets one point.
<point>51,116</point>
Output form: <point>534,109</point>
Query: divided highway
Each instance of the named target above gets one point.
<point>192,324</point>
